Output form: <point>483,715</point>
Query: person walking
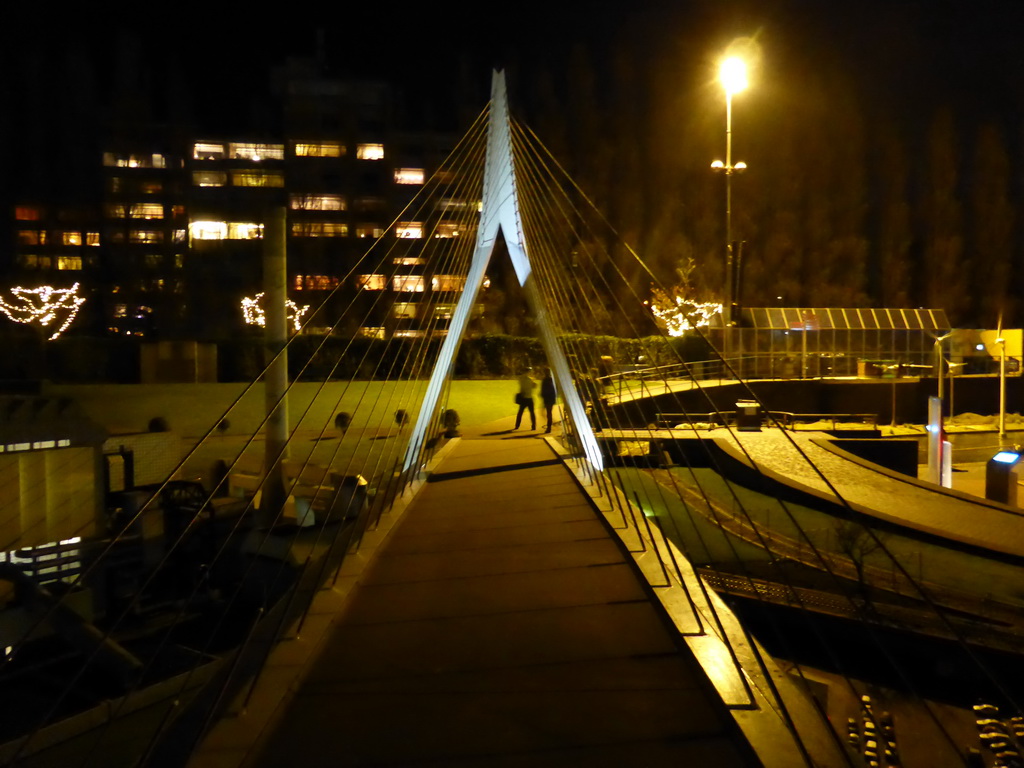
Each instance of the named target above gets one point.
<point>548,395</point>
<point>525,399</point>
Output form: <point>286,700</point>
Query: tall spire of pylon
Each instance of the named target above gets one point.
<point>500,211</point>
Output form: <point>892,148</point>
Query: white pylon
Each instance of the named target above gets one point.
<point>500,211</point>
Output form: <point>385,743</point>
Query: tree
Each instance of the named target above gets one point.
<point>944,264</point>
<point>992,221</point>
<point>894,233</point>
<point>858,543</point>
<point>680,309</point>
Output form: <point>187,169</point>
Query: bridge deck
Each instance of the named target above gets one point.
<point>501,624</point>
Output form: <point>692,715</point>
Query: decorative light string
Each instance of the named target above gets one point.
<point>252,311</point>
<point>44,306</point>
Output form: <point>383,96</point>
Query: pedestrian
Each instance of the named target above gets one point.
<point>524,398</point>
<point>548,395</point>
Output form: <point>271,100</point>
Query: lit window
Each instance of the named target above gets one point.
<point>444,311</point>
<point>146,211</point>
<point>409,334</point>
<point>408,283</point>
<point>372,331</point>
<point>257,179</point>
<point>410,230</point>
<point>370,151</point>
<point>69,262</point>
<point>92,238</point>
<point>244,230</point>
<point>323,149</point>
<point>120,310</point>
<point>151,187</point>
<point>315,282</point>
<point>145,236</point>
<point>451,204</point>
<point>319,229</point>
<point>32,236</point>
<point>369,230</point>
<point>447,282</point>
<point>28,260</point>
<point>404,310</point>
<point>116,160</point>
<point>372,282</point>
<point>178,235</point>
<point>114,211</point>
<point>225,230</point>
<point>208,230</point>
<point>209,178</point>
<point>409,261</point>
<point>71,238</point>
<point>409,175</point>
<point>256,152</point>
<point>318,203</point>
<point>446,229</point>
<point>203,150</point>
<point>179,260</point>
<point>27,213</point>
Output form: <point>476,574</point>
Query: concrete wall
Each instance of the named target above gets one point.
<point>170,362</point>
<point>47,496</point>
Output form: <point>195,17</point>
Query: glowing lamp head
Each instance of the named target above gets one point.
<point>718,165</point>
<point>733,75</point>
<point>740,166</point>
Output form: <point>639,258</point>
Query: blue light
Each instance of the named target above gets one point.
<point>1006,457</point>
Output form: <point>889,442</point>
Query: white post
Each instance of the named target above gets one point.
<point>275,380</point>
<point>1002,387</point>
<point>935,441</point>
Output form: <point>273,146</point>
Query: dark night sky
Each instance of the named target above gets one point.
<point>902,57</point>
<point>899,52</point>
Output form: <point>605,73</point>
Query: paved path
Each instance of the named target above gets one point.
<point>501,624</point>
<point>923,506</point>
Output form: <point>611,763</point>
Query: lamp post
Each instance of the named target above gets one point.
<point>1002,386</point>
<point>940,362</point>
<point>733,76</point>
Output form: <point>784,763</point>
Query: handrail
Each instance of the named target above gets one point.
<point>785,419</point>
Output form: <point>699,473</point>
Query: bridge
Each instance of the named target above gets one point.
<point>359,584</point>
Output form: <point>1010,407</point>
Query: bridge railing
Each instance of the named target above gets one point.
<point>785,419</point>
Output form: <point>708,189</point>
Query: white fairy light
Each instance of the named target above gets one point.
<point>684,315</point>
<point>253,313</point>
<point>44,306</point>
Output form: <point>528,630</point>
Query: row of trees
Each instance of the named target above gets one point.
<point>850,199</point>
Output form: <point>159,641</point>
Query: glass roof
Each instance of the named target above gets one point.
<point>829,318</point>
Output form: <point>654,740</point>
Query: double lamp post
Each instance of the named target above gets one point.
<point>733,77</point>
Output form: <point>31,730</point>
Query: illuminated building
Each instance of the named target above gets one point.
<point>168,243</point>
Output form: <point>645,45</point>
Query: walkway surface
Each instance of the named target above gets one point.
<point>502,625</point>
<point>918,505</point>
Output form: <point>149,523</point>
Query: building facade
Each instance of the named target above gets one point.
<point>170,242</point>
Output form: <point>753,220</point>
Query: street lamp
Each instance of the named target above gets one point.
<point>940,362</point>
<point>733,76</point>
